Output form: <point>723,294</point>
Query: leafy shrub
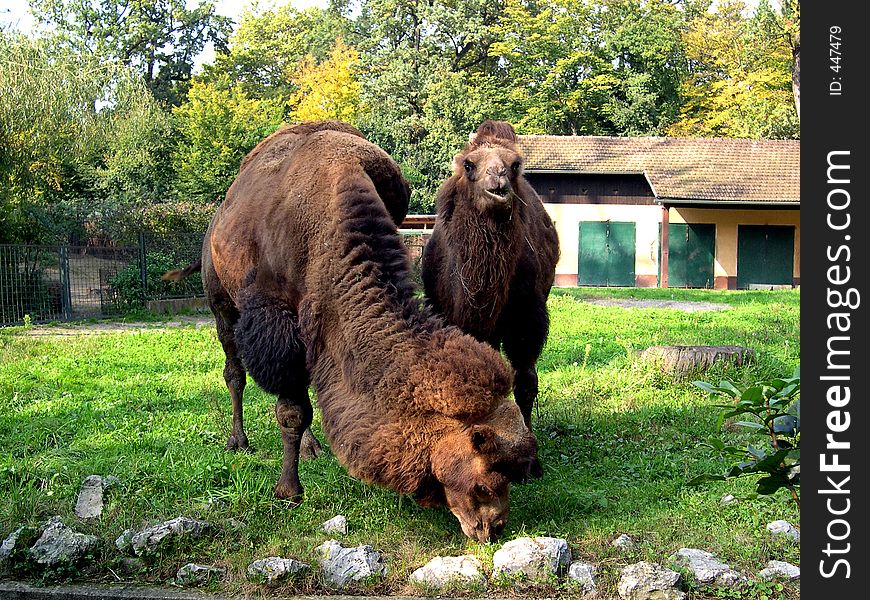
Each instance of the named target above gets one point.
<point>775,406</point>
<point>126,287</point>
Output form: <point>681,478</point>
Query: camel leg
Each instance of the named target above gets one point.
<point>526,392</point>
<point>234,375</point>
<point>524,326</point>
<point>310,447</point>
<point>294,417</point>
<point>525,331</point>
<point>270,344</point>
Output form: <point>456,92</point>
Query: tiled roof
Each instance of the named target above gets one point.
<point>691,169</point>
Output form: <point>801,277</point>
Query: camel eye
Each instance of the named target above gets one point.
<point>469,166</point>
<point>483,492</point>
<point>516,167</point>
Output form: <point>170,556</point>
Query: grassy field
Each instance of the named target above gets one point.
<point>618,442</point>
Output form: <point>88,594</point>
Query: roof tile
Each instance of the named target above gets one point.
<point>714,169</point>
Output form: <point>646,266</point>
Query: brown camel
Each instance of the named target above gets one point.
<point>491,261</point>
<point>310,284</point>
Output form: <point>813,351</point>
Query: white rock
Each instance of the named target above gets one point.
<point>341,566</point>
<point>706,568</point>
<point>60,545</point>
<point>585,574</point>
<point>784,528</point>
<point>646,581</point>
<point>624,542</point>
<point>9,544</point>
<point>193,574</point>
<point>727,499</point>
<point>443,571</point>
<point>151,538</point>
<point>537,559</point>
<point>336,525</point>
<point>274,569</point>
<point>124,543</point>
<point>89,504</point>
<point>777,569</point>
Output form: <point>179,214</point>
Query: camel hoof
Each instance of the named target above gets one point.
<point>239,444</point>
<point>291,494</point>
<point>309,448</point>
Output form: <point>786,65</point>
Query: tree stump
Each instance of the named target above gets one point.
<point>684,360</point>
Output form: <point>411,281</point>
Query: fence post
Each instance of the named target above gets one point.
<point>66,294</point>
<point>143,266</point>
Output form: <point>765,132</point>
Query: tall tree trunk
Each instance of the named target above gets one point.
<point>796,75</point>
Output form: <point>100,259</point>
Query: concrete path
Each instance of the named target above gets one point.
<point>14,590</point>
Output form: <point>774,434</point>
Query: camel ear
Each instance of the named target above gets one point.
<point>472,136</point>
<point>483,439</point>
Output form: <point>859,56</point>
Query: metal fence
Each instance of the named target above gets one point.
<point>161,252</point>
<point>63,283</point>
<point>45,283</point>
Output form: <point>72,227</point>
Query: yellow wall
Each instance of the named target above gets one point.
<point>648,218</point>
<point>567,218</point>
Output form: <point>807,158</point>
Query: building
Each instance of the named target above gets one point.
<point>670,212</point>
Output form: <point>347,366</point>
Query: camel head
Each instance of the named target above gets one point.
<point>476,465</point>
<point>488,169</point>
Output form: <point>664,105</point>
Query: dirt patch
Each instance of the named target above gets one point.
<point>684,305</point>
<point>68,329</point>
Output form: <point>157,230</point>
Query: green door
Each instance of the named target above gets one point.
<point>691,251</point>
<point>765,255</point>
<point>607,253</point>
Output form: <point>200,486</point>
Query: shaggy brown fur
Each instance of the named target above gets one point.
<point>310,283</point>
<point>491,261</point>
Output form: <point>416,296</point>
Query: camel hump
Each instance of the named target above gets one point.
<point>281,140</point>
<point>390,184</point>
<point>497,129</point>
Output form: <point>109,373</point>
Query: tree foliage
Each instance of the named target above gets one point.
<point>81,139</point>
<point>328,90</point>
<point>269,44</point>
<point>578,67</point>
<point>416,76</point>
<point>426,82</point>
<point>216,126</point>
<point>158,38</point>
<point>739,83</point>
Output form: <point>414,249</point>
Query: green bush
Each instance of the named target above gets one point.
<point>775,406</point>
<point>126,287</point>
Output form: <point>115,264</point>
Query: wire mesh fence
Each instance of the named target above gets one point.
<point>162,252</point>
<point>63,283</point>
<point>46,283</point>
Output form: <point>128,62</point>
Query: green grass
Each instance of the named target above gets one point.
<point>618,441</point>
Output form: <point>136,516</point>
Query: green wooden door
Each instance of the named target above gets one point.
<point>765,255</point>
<point>691,251</point>
<point>607,253</point>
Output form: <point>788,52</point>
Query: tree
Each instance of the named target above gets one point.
<point>81,141</point>
<point>158,38</point>
<point>425,82</point>
<point>328,90</point>
<point>739,82</point>
<point>605,67</point>
<point>268,46</point>
<point>557,81</point>
<point>783,28</point>
<point>217,126</point>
